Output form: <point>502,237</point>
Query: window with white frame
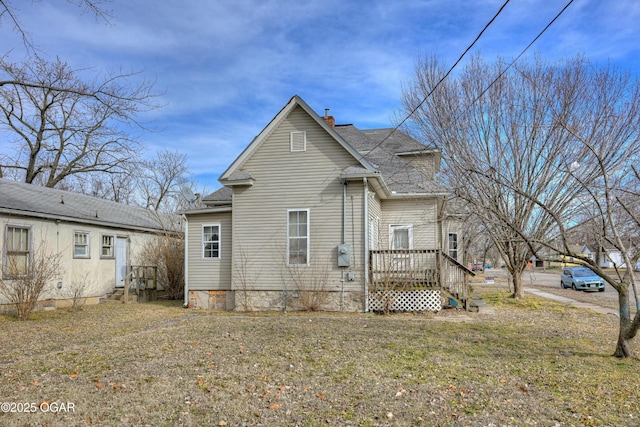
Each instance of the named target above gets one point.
<point>298,141</point>
<point>401,236</point>
<point>211,241</point>
<point>452,243</point>
<point>81,244</point>
<point>17,251</point>
<point>107,246</point>
<point>298,236</point>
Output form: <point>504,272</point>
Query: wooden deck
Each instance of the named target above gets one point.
<point>412,269</point>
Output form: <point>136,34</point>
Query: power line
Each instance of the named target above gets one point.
<point>492,83</point>
<point>443,77</point>
<point>517,57</point>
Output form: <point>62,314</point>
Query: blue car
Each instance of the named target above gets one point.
<point>581,279</point>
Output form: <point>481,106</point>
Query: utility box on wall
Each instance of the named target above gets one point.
<point>344,255</point>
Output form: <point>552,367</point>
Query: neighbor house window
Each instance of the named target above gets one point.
<point>298,141</point>
<point>107,247</point>
<point>80,244</point>
<point>17,251</point>
<point>453,245</point>
<point>211,241</point>
<point>298,237</point>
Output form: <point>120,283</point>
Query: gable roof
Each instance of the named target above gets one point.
<point>383,148</point>
<point>384,154</point>
<point>231,174</point>
<point>35,201</point>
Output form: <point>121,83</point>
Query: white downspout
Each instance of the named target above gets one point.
<point>186,261</point>
<point>365,209</point>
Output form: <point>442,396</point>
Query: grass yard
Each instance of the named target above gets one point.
<point>530,363</point>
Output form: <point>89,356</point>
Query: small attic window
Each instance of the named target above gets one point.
<point>298,141</point>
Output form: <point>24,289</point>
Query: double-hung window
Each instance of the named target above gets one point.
<point>211,241</point>
<point>17,251</point>
<point>298,236</point>
<point>453,245</point>
<point>107,246</point>
<point>81,244</point>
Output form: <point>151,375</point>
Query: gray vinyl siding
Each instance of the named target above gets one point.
<point>209,274</point>
<point>296,180</point>
<point>421,213</point>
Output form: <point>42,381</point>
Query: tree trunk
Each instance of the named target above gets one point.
<point>623,347</point>
<point>518,286</point>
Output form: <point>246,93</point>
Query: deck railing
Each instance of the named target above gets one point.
<point>410,269</point>
<point>404,268</point>
<point>141,278</point>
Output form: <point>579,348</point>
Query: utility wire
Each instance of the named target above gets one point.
<point>492,83</point>
<point>442,79</point>
<point>516,58</point>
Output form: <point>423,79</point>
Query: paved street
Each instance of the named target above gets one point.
<point>547,285</point>
<point>539,279</point>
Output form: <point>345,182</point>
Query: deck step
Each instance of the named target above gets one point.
<point>117,296</point>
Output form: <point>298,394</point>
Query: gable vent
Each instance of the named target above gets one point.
<point>298,141</point>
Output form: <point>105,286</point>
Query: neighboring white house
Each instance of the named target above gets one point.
<point>97,240</point>
<point>311,209</point>
<point>611,257</point>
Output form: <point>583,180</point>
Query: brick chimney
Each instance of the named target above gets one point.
<point>329,119</point>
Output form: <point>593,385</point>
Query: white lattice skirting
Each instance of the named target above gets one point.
<point>418,300</point>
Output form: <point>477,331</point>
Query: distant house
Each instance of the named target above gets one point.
<point>97,240</point>
<point>611,257</point>
<point>314,213</point>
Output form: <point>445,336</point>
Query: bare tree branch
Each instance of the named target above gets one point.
<point>538,152</point>
<point>65,127</point>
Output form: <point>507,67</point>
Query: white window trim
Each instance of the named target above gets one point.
<point>113,246</point>
<point>393,227</point>
<point>304,141</point>
<point>219,241</point>
<point>308,235</point>
<point>88,255</point>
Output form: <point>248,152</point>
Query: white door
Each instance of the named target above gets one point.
<point>122,253</point>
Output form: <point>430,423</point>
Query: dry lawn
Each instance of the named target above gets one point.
<point>535,363</point>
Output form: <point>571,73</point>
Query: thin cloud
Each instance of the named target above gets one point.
<point>226,68</point>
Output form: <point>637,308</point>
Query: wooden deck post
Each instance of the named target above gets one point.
<point>126,289</point>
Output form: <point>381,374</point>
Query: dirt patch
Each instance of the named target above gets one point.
<point>531,363</point>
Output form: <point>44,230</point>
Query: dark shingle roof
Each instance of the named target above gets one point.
<point>380,148</point>
<point>35,201</point>
<point>220,196</point>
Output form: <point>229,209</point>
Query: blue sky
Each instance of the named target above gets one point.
<point>225,68</point>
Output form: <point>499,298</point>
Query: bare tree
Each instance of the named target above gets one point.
<point>166,252</point>
<point>494,125</point>
<point>534,148</point>
<point>11,14</point>
<point>161,180</point>
<point>65,127</point>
